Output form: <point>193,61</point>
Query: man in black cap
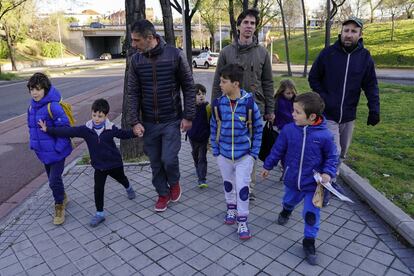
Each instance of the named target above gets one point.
<point>338,75</point>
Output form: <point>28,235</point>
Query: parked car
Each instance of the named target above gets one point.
<point>97,25</point>
<point>105,56</point>
<point>206,59</point>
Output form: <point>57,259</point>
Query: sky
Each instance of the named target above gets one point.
<point>109,6</point>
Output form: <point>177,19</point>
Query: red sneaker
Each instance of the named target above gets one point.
<point>175,191</point>
<point>162,203</point>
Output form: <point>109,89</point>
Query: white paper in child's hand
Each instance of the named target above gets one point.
<point>329,187</point>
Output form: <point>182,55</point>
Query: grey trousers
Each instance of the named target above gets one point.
<point>162,142</point>
<point>342,137</point>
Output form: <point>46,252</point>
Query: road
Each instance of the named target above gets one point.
<point>19,165</point>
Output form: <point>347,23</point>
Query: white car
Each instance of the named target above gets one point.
<point>206,59</point>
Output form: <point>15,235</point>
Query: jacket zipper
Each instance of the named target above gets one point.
<point>343,91</point>
<point>232,127</point>
<point>154,77</point>
<point>301,156</point>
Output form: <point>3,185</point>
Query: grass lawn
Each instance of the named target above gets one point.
<point>386,53</point>
<point>384,154</point>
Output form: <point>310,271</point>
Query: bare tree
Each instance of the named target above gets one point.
<point>305,36</point>
<point>7,6</point>
<point>232,20</point>
<point>280,2</point>
<point>394,7</point>
<point>331,12</point>
<point>168,22</point>
<point>211,16</point>
<point>134,11</point>
<point>409,8</point>
<point>291,11</point>
<point>267,12</point>
<point>188,15</point>
<point>373,6</point>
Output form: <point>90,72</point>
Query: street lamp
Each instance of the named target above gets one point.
<point>271,50</point>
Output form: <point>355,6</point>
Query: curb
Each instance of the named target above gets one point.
<point>387,210</point>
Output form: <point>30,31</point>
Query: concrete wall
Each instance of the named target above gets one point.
<point>75,42</point>
<point>97,45</point>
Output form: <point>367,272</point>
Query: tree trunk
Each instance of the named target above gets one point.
<point>232,20</point>
<point>134,10</point>
<point>305,36</point>
<point>189,49</point>
<point>245,5</point>
<point>168,22</point>
<point>10,46</point>
<point>328,24</point>
<point>212,42</point>
<point>286,38</point>
<point>371,19</point>
<point>392,26</point>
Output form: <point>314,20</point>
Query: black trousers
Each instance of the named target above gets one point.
<point>100,179</point>
<point>199,152</point>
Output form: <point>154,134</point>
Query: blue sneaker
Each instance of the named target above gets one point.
<point>231,214</point>
<point>130,193</point>
<point>243,229</point>
<point>96,219</point>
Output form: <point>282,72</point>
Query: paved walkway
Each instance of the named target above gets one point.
<point>190,237</point>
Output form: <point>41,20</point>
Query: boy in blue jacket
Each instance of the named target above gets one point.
<point>306,146</point>
<point>106,159</point>
<point>50,151</point>
<point>236,135</point>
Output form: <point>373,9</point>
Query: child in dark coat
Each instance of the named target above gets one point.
<point>50,151</point>
<point>99,134</point>
<point>307,146</point>
<point>284,97</point>
<point>199,134</point>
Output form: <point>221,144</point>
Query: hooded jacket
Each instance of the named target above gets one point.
<point>257,77</point>
<point>102,148</point>
<point>155,79</point>
<point>48,149</point>
<point>338,77</point>
<point>235,141</point>
<point>304,149</point>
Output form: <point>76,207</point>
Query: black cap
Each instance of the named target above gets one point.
<point>355,20</point>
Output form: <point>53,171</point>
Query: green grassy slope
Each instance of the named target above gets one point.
<point>386,53</point>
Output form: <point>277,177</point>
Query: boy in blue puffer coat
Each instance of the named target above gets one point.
<point>236,135</point>
<point>306,146</point>
<point>99,134</point>
<point>50,150</point>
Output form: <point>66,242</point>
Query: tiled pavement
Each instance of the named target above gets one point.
<point>190,237</point>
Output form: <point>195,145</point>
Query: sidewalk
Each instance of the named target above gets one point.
<point>382,73</point>
<point>190,237</point>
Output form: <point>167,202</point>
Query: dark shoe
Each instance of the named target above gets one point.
<point>162,203</point>
<point>96,220</point>
<point>175,192</point>
<point>283,217</point>
<point>130,193</point>
<point>231,214</point>
<point>252,196</point>
<point>310,251</point>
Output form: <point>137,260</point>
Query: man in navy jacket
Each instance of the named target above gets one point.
<point>156,75</point>
<point>338,75</point>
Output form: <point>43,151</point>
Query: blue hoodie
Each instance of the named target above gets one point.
<point>304,149</point>
<point>338,77</point>
<point>48,149</point>
<point>235,141</point>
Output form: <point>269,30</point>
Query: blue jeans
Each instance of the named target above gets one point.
<point>54,174</point>
<point>311,214</point>
<point>162,142</point>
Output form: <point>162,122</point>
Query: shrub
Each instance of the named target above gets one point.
<point>51,49</point>
<point>4,51</point>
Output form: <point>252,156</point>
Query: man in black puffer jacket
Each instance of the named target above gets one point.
<point>157,73</point>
